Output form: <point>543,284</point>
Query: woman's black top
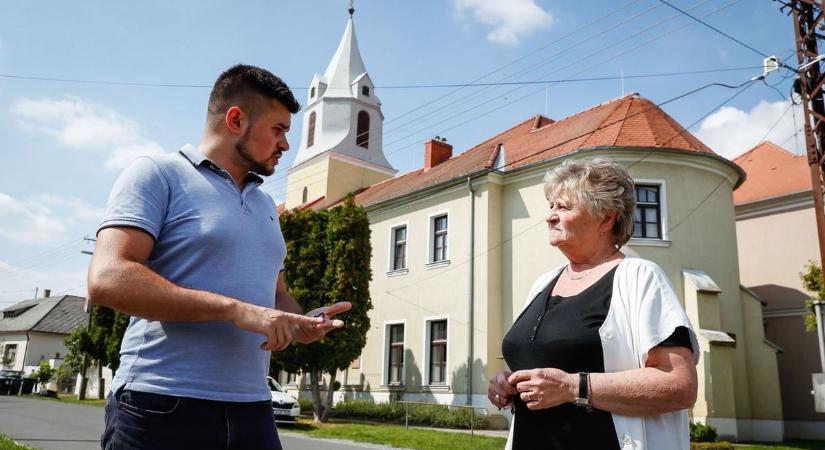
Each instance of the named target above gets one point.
<point>563,333</point>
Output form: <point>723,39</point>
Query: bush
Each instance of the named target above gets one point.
<point>45,372</point>
<point>306,405</point>
<point>439,416</point>
<point>711,446</point>
<point>700,432</point>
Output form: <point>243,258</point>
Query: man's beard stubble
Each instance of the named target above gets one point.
<point>242,156</point>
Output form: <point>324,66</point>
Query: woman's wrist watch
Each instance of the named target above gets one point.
<point>583,400</point>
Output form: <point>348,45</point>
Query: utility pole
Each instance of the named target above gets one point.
<point>808,24</point>
<point>84,379</point>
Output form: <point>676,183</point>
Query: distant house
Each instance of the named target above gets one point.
<point>776,234</point>
<point>33,330</point>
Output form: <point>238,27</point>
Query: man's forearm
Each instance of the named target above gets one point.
<point>134,289</point>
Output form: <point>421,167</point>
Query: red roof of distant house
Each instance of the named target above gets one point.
<point>628,121</point>
<point>772,171</point>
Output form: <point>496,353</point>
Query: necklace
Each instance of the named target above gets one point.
<point>587,272</point>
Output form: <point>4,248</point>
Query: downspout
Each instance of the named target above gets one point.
<point>23,367</point>
<point>470,300</point>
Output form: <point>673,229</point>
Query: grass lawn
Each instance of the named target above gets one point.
<point>788,445</point>
<point>397,436</point>
<point>68,398</point>
<point>8,444</point>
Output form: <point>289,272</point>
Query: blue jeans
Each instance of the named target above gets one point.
<point>141,421</point>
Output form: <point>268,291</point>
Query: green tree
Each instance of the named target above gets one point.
<point>45,372</point>
<point>99,342</point>
<point>813,282</point>
<point>328,260</point>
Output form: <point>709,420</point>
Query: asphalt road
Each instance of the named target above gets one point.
<point>51,425</point>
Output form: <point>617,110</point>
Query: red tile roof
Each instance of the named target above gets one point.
<point>772,171</point>
<point>628,121</point>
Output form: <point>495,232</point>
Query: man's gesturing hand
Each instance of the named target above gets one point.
<point>276,325</point>
<point>306,334</point>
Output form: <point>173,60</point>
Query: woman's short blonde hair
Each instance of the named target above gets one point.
<point>602,186</point>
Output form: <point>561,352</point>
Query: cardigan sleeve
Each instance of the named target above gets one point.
<point>659,310</point>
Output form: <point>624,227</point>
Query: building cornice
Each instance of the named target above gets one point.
<point>775,205</point>
<point>329,154</point>
<point>702,161</point>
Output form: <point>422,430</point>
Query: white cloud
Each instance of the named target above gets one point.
<point>731,131</point>
<point>42,218</point>
<point>19,281</point>
<point>83,125</point>
<point>511,19</point>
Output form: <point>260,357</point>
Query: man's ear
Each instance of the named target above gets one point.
<point>235,120</point>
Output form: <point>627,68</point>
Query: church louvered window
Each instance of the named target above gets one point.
<point>311,132</point>
<point>362,138</point>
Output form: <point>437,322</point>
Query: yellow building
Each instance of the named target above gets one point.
<point>458,243</point>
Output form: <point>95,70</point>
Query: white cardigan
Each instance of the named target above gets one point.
<point>644,311</point>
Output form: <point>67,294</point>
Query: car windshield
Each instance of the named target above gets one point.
<point>274,386</point>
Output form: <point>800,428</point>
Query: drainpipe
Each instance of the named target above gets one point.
<point>26,351</point>
<point>470,306</point>
<point>818,311</point>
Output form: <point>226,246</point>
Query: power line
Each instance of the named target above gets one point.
<point>443,131</point>
<point>741,88</point>
<point>431,86</point>
<point>719,31</point>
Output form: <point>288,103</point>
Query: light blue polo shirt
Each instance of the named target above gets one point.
<point>209,235</point>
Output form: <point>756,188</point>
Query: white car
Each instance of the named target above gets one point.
<point>284,407</point>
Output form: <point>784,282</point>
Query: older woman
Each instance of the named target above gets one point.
<point>603,355</point>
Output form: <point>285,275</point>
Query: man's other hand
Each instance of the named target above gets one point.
<point>306,333</point>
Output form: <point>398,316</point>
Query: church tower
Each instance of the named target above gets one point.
<point>341,149</point>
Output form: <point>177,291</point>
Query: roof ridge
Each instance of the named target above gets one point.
<point>59,301</point>
<point>605,103</point>
<point>767,143</point>
<point>480,144</point>
<point>781,149</point>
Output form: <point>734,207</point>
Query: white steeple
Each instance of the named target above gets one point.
<point>343,116</point>
<point>346,65</point>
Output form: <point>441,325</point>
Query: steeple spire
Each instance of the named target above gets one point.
<point>341,147</point>
<point>346,66</point>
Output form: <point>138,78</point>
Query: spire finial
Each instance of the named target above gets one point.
<point>351,8</point>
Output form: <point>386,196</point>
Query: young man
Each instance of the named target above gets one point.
<point>193,251</point>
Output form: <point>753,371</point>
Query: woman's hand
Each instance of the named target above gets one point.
<point>545,388</point>
<point>500,391</point>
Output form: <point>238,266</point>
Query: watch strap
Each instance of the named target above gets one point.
<point>583,399</point>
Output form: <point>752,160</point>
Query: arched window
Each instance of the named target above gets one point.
<point>365,90</point>
<point>311,131</point>
<point>312,92</point>
<point>304,195</point>
<point>362,139</point>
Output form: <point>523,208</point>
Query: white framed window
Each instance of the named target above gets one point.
<point>394,369</point>
<point>398,248</point>
<point>436,350</point>
<point>439,238</point>
<point>10,355</point>
<point>650,216</point>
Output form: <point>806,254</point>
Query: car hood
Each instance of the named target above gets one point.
<point>281,397</point>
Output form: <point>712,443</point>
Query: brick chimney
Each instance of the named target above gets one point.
<point>47,293</point>
<point>436,151</point>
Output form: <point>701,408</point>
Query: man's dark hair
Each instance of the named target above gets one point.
<point>238,85</point>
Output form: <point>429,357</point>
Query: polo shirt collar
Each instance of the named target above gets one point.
<point>197,158</point>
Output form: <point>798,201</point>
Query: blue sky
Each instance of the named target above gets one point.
<point>63,143</point>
